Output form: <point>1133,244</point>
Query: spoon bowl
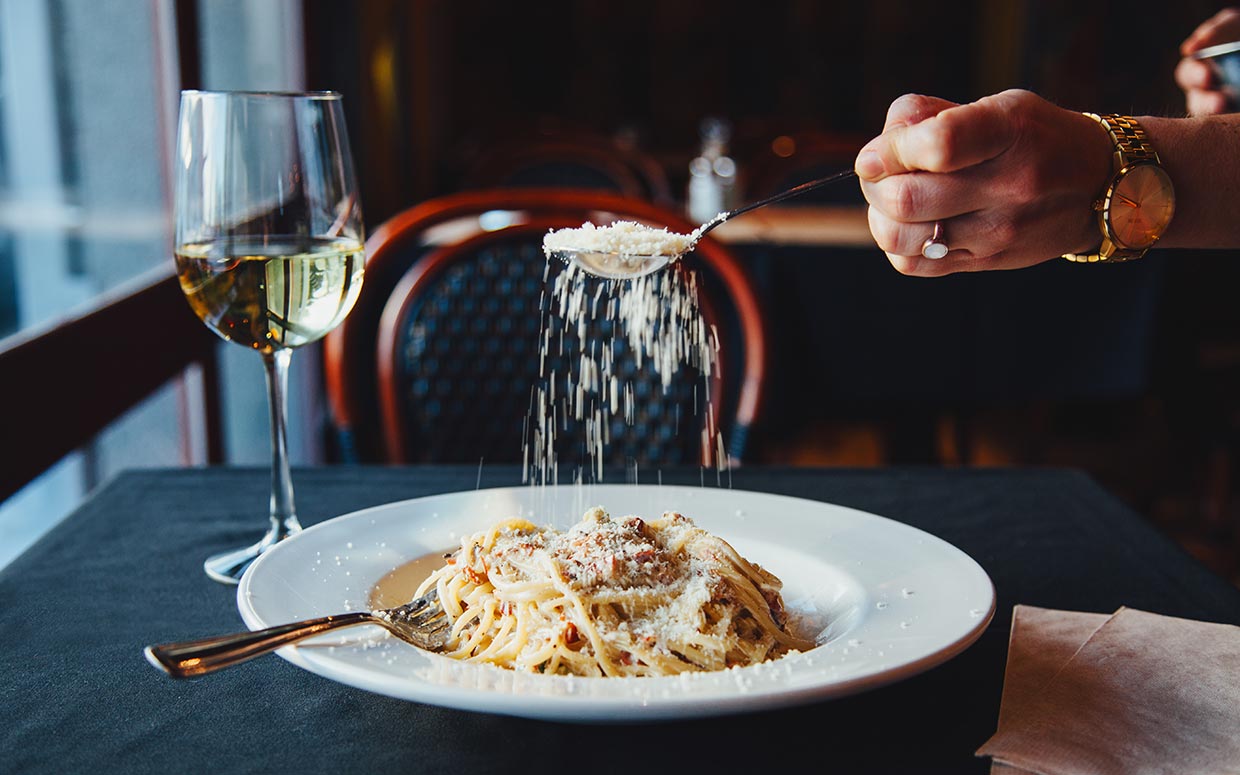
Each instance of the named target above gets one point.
<point>614,266</point>
<point>621,265</point>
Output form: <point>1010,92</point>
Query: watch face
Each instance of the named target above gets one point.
<point>1142,203</point>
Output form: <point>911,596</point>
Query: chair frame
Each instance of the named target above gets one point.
<point>353,346</point>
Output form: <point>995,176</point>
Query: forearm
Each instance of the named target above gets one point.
<point>1202,157</point>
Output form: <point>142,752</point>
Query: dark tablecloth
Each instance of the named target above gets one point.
<point>125,571</point>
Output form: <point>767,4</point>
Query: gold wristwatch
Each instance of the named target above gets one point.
<point>1137,204</point>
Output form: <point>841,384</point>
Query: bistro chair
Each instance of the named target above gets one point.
<point>437,361</point>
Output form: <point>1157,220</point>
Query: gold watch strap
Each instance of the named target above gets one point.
<point>1132,145</point>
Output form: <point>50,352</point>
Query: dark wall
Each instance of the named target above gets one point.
<point>431,82</point>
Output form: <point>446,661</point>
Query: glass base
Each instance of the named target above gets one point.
<point>229,567</point>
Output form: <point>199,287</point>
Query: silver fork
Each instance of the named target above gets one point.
<point>421,622</point>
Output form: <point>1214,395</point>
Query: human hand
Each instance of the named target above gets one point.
<point>1011,177</point>
<point>1197,78</point>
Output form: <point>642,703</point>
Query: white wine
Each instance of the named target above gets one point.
<point>272,294</point>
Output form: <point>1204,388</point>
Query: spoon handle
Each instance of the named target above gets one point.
<point>198,657</point>
<point>781,196</point>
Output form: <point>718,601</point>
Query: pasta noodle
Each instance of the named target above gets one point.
<point>609,597</point>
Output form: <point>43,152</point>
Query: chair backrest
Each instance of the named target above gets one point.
<point>457,324</point>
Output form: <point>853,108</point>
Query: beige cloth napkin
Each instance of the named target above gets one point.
<point>1132,693</point>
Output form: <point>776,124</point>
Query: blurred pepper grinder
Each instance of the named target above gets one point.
<point>712,175</point>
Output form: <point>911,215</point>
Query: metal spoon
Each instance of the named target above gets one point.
<point>623,266</point>
<point>421,622</point>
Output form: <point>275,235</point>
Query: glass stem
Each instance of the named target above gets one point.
<point>283,513</point>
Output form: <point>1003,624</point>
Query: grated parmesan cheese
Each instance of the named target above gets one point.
<point>610,596</point>
<point>625,238</point>
<point>657,319</point>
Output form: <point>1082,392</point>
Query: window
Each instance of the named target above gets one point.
<point>88,103</point>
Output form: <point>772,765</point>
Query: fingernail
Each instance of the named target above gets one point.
<point>869,165</point>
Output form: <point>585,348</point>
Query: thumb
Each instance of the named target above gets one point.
<point>913,109</point>
<point>952,139</point>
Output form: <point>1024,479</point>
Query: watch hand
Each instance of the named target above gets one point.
<point>1126,200</point>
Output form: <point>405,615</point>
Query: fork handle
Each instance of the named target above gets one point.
<point>191,658</point>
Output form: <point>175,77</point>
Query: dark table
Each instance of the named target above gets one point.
<point>125,571</point>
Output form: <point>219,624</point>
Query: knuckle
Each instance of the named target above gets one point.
<point>1014,103</point>
<point>903,104</point>
<point>942,142</point>
<point>903,108</point>
<point>1020,95</point>
<point>904,199</point>
<point>1032,180</point>
<point>1003,233</point>
<point>995,231</point>
<point>886,232</point>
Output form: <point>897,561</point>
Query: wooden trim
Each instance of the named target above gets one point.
<point>67,381</point>
<point>188,50</point>
<point>213,411</point>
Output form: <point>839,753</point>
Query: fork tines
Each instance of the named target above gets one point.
<point>423,621</point>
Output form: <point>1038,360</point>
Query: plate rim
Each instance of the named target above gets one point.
<point>622,709</point>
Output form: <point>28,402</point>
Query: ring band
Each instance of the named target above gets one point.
<point>934,247</point>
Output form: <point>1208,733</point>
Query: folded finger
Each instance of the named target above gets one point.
<point>1206,103</point>
<point>920,266</point>
<point>924,196</point>
<point>959,261</point>
<point>970,233</point>
<point>1194,74</point>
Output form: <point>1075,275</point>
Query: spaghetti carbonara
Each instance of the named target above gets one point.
<point>609,597</point>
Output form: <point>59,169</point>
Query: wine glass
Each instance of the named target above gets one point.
<point>269,245</point>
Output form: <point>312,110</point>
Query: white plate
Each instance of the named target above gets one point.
<point>885,601</point>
